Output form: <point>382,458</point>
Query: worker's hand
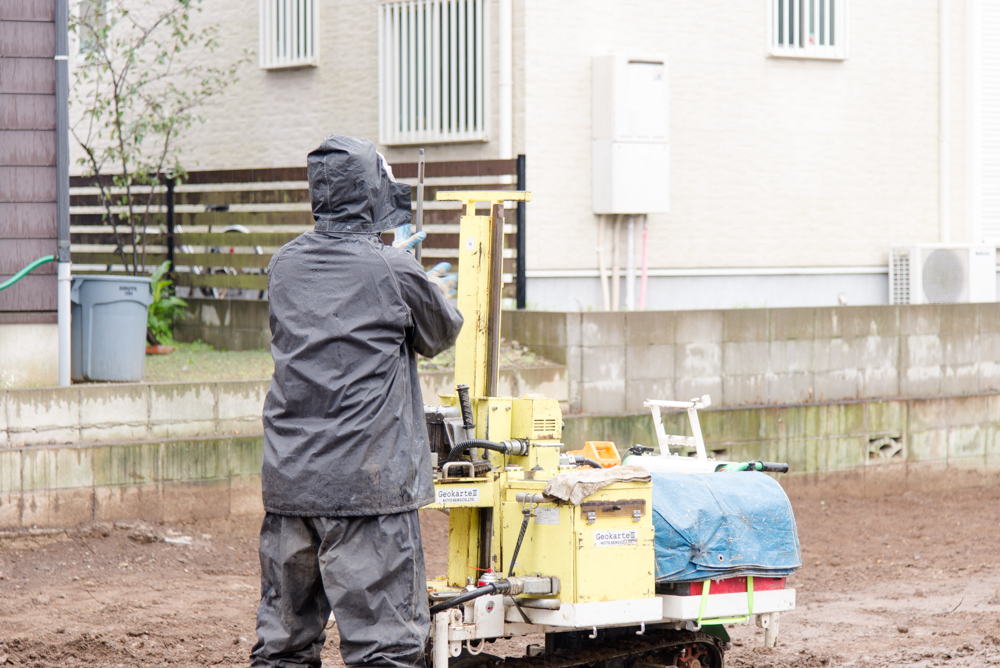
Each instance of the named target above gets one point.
<point>406,237</point>
<point>447,282</point>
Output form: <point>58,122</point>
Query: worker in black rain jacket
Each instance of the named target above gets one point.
<point>346,459</point>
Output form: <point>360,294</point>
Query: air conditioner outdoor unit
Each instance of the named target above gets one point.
<point>942,274</point>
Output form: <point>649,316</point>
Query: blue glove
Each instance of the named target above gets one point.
<point>447,282</point>
<point>406,238</point>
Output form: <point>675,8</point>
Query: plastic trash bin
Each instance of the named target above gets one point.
<point>109,327</point>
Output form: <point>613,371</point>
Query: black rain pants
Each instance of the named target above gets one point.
<point>368,570</point>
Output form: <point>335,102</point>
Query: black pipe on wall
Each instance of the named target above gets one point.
<point>521,287</point>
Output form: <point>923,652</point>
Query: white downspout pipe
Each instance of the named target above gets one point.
<point>506,140</point>
<point>63,311</point>
<point>602,262</point>
<point>944,134</point>
<point>64,276</point>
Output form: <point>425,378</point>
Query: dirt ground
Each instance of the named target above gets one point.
<point>911,580</point>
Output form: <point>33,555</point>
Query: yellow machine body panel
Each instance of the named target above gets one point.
<point>601,550</point>
<point>614,564</point>
<point>536,418</point>
<point>548,546</point>
<point>493,418</point>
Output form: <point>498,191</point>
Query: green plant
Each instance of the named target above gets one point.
<point>141,76</point>
<point>164,310</point>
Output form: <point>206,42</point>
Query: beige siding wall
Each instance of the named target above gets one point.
<point>273,118</point>
<point>774,162</point>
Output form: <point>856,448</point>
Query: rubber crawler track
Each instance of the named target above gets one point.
<point>634,649</point>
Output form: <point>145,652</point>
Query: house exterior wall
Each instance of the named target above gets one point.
<point>27,191</point>
<point>273,118</point>
<point>774,162</point>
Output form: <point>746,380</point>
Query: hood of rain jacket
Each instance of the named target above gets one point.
<point>351,189</point>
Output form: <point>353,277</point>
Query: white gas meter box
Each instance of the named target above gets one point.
<point>630,134</point>
<point>942,274</point>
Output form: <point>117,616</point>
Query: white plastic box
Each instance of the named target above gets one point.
<point>630,134</point>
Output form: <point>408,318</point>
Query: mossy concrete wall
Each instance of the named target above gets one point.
<point>869,447</point>
<point>175,480</point>
<point>861,448</point>
<point>745,357</point>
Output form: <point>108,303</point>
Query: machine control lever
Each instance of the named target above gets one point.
<point>466,404</point>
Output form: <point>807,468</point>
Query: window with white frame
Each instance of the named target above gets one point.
<point>433,71</point>
<point>808,28</point>
<point>287,33</point>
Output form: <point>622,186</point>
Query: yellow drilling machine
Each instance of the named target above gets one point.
<point>640,564</point>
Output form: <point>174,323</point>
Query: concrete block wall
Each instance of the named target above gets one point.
<point>140,411</point>
<point>129,412</point>
<point>869,447</point>
<point>170,452</point>
<point>744,357</point>
<point>547,380</point>
<point>29,354</point>
<point>173,480</point>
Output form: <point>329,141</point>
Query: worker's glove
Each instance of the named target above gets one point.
<point>447,282</point>
<point>407,238</point>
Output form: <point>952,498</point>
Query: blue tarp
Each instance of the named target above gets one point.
<point>722,525</point>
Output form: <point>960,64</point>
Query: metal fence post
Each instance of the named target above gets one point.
<point>521,287</point>
<point>170,224</point>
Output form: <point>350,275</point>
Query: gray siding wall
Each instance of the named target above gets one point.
<point>27,158</point>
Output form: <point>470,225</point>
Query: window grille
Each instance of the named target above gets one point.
<point>808,28</point>
<point>433,71</point>
<point>287,33</point>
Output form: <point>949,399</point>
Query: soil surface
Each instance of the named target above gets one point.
<point>909,580</point>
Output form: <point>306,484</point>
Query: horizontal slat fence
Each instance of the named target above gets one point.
<point>221,227</point>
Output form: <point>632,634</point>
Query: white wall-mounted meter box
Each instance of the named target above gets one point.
<point>630,134</point>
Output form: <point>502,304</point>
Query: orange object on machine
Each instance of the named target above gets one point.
<point>603,452</point>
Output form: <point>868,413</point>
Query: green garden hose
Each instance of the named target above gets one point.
<point>24,272</point>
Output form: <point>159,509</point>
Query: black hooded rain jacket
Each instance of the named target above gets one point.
<point>344,432</point>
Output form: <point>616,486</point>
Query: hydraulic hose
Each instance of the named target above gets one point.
<point>490,588</point>
<point>588,461</point>
<point>766,467</point>
<point>24,272</point>
<point>507,448</point>
<point>520,537</point>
